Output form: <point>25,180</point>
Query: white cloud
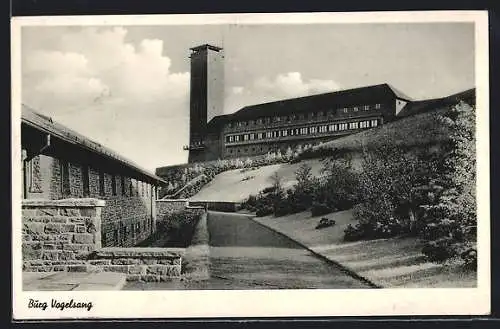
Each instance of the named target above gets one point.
<point>282,86</point>
<point>121,94</point>
<point>237,90</point>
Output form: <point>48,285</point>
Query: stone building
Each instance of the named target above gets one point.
<point>59,163</point>
<point>263,128</point>
<point>206,95</point>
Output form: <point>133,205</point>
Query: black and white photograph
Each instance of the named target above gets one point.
<point>192,165</point>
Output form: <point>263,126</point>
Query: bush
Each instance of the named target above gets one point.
<point>269,189</point>
<point>264,211</point>
<point>174,230</point>
<point>319,209</point>
<point>325,222</point>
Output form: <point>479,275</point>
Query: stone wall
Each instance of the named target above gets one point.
<point>165,207</point>
<point>222,206</point>
<point>140,264</point>
<point>129,215</point>
<point>65,235</point>
<point>59,234</point>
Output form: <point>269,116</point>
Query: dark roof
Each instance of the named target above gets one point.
<point>216,122</point>
<point>206,46</point>
<point>45,123</point>
<point>348,97</point>
<point>422,106</point>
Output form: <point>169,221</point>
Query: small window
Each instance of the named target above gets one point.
<point>355,109</point>
<point>345,109</point>
<point>101,183</point>
<point>113,184</point>
<point>122,181</point>
<point>85,181</point>
<point>377,106</point>
<point>366,107</point>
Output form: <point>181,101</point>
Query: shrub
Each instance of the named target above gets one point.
<point>268,189</point>
<point>325,222</point>
<point>264,211</point>
<point>319,209</point>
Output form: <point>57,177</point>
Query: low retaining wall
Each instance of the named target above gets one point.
<point>222,206</point>
<point>65,235</point>
<point>140,264</point>
<point>167,206</point>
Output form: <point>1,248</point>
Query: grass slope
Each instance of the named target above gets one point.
<point>395,262</point>
<point>237,185</point>
<point>422,129</point>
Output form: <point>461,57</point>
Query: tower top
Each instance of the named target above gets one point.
<point>206,47</point>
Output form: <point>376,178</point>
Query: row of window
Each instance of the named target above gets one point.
<point>302,131</point>
<point>302,116</point>
<point>120,236</point>
<point>140,188</point>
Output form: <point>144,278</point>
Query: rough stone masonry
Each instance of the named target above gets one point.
<point>65,235</point>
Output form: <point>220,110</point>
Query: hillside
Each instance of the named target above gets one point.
<point>236,185</point>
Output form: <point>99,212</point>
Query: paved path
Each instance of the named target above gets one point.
<point>247,255</point>
<point>39,281</point>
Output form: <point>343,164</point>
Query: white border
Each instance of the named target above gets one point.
<point>268,303</point>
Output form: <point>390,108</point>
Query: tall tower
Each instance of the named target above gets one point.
<point>207,95</point>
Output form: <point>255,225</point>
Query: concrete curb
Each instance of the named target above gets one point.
<point>343,268</point>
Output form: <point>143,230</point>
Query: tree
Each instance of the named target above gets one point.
<point>450,213</point>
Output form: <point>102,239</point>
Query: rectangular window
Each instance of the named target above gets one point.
<point>245,137</point>
<point>355,109</point>
<point>377,106</point>
<point>131,188</point>
<point>374,123</point>
<point>320,113</point>
<point>65,187</point>
<point>122,181</point>
<point>259,121</point>
<point>85,181</point>
<point>345,109</point>
<point>284,133</point>
<point>366,107</point>
<point>313,130</point>
<point>237,138</point>
<point>113,184</point>
<point>101,183</point>
<point>269,134</point>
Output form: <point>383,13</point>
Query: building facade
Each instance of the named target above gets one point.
<point>288,124</point>
<point>282,125</point>
<point>59,163</point>
<point>206,95</point>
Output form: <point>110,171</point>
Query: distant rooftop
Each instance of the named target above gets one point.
<point>206,46</point>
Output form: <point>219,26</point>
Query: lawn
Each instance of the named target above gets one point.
<point>395,262</point>
<point>236,185</point>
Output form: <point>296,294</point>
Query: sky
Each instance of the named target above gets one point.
<point>127,87</point>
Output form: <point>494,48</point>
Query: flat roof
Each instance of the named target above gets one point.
<point>46,124</point>
<point>206,46</point>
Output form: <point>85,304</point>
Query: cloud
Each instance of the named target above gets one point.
<point>121,94</point>
<point>282,86</point>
